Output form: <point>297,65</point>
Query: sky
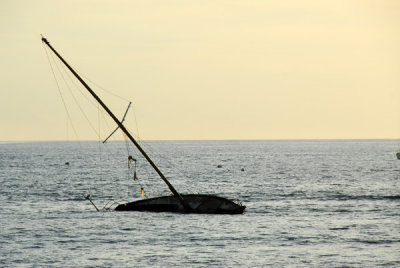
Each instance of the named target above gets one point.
<point>207,70</point>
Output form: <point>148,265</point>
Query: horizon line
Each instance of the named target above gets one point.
<point>174,140</point>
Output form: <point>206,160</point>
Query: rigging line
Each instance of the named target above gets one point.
<point>94,104</point>
<point>136,122</point>
<point>90,101</point>
<point>102,88</point>
<point>77,103</point>
<point>101,118</point>
<point>61,95</point>
<point>155,152</point>
<point>176,174</point>
<point>127,143</point>
<point>67,129</point>
<point>99,127</point>
<point>170,163</point>
<point>151,149</point>
<point>78,88</point>
<point>106,122</point>
<point>173,166</point>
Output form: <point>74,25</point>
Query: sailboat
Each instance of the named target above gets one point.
<point>179,203</point>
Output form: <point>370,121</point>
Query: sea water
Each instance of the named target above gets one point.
<point>308,204</point>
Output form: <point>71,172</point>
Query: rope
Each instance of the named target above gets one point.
<point>92,102</point>
<point>67,85</point>
<point>77,103</point>
<point>135,178</point>
<point>73,79</point>
<point>59,91</point>
<point>136,122</point>
<point>180,172</point>
<point>102,88</point>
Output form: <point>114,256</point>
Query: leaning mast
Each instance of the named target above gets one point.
<point>122,127</point>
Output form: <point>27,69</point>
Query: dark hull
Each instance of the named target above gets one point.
<point>200,203</point>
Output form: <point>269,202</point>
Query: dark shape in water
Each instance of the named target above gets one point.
<point>176,203</point>
<point>90,200</point>
<point>199,203</point>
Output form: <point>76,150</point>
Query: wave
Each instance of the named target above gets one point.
<point>337,196</point>
<point>365,197</point>
<point>378,241</point>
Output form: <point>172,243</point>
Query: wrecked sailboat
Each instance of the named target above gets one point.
<point>180,203</point>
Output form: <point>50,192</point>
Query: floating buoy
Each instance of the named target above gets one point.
<point>67,163</point>
<point>219,166</point>
<point>242,169</point>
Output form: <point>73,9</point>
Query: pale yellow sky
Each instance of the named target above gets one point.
<point>208,69</point>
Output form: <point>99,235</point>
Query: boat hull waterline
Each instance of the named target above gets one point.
<point>199,203</point>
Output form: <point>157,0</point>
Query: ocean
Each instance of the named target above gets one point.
<point>330,203</point>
